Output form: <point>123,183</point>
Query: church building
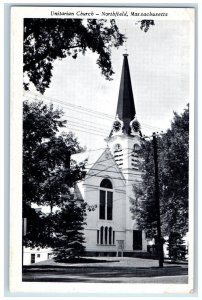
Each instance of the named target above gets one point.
<point>109,181</point>
<point>107,188</point>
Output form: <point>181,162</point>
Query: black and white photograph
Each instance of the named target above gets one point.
<point>102,157</point>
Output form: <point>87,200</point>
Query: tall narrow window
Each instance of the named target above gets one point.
<point>106,200</point>
<point>101,235</point>
<point>102,205</point>
<point>110,235</point>
<point>109,205</point>
<point>106,234</point>
<point>113,237</point>
<point>98,236</point>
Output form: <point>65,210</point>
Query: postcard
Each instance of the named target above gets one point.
<point>102,150</point>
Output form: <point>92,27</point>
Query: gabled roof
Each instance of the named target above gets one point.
<point>93,157</point>
<point>99,159</point>
<point>90,155</point>
<point>103,160</point>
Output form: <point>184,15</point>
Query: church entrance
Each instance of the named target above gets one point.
<point>137,240</point>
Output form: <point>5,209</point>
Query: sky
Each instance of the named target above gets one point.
<point>159,62</point>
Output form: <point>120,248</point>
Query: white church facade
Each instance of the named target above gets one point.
<point>108,185</point>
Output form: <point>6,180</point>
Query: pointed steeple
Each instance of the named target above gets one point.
<point>125,107</point>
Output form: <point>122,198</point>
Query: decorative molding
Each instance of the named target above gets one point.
<point>135,132</point>
<point>115,132</point>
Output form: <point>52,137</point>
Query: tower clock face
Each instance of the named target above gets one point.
<point>135,126</point>
<point>116,126</point>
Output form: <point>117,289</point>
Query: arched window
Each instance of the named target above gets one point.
<point>106,183</point>
<point>106,236</point>
<point>106,200</point>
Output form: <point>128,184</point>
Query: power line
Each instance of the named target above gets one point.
<point>102,126</point>
<point>78,124</point>
<point>90,150</point>
<point>94,133</point>
<point>114,200</point>
<point>127,155</point>
<point>108,159</point>
<point>96,175</point>
<point>97,188</point>
<point>95,128</point>
<point>119,178</point>
<point>78,107</point>
<point>73,109</point>
<point>110,171</point>
<point>87,121</point>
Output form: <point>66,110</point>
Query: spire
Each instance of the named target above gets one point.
<point>125,107</point>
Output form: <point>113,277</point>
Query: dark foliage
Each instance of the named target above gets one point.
<point>173,161</point>
<point>48,170</point>
<point>69,237</point>
<point>176,247</point>
<point>174,165</point>
<point>39,228</point>
<point>143,207</point>
<point>46,40</point>
<point>145,24</point>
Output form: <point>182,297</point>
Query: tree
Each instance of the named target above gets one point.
<point>69,236</point>
<point>46,40</point>
<point>175,173</point>
<point>176,247</point>
<point>145,24</point>
<point>48,170</point>
<point>38,228</point>
<point>143,205</point>
<point>173,161</point>
<point>46,155</point>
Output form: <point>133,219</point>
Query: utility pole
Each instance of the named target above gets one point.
<point>160,240</point>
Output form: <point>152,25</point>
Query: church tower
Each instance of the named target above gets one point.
<point>124,142</point>
<point>124,139</point>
